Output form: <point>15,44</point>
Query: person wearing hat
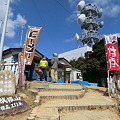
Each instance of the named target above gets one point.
<point>54,68</point>
<point>43,65</point>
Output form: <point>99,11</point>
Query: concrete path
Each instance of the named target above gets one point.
<point>93,105</point>
<point>90,115</point>
<point>90,98</point>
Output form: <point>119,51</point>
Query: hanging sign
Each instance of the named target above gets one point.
<point>112,52</point>
<point>30,45</point>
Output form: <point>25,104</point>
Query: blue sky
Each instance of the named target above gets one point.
<point>58,21</point>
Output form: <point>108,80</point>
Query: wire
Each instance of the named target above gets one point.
<point>44,24</point>
<point>39,13</point>
<point>63,7</point>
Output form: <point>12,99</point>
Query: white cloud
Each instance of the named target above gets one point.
<point>2,9</point>
<point>112,11</point>
<point>5,47</point>
<point>20,19</point>
<point>73,17</point>
<point>69,40</point>
<point>11,14</point>
<point>15,1</point>
<point>111,8</point>
<point>73,2</point>
<point>12,24</point>
<point>16,45</point>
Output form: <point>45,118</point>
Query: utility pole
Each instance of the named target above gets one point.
<point>4,31</point>
<point>21,35</point>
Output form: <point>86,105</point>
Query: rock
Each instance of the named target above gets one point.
<point>31,118</point>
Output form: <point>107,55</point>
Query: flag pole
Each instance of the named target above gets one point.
<point>108,78</point>
<point>108,81</point>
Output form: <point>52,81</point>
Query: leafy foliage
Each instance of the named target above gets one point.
<point>93,66</point>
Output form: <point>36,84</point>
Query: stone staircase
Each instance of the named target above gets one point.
<point>71,102</point>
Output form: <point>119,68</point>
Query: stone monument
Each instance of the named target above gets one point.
<point>7,82</point>
<point>10,103</point>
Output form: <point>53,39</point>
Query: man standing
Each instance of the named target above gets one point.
<point>54,68</point>
<point>30,69</point>
<point>43,65</point>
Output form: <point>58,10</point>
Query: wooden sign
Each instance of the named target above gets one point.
<point>12,105</point>
<point>30,45</point>
<point>21,70</point>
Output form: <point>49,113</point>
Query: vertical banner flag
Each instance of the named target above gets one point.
<point>112,52</point>
<point>30,45</point>
<point>21,69</point>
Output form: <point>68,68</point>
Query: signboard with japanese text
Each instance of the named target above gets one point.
<point>7,82</point>
<point>21,69</point>
<point>12,105</point>
<point>112,52</point>
<point>30,45</point>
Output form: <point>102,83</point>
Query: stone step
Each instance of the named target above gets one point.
<point>65,86</point>
<point>38,85</point>
<point>48,85</point>
<point>71,97</point>
<point>89,102</point>
<point>40,113</point>
<point>61,102</point>
<point>60,89</point>
<point>90,115</point>
<point>62,95</point>
<point>88,107</point>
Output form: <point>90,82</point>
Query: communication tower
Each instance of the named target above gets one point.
<point>88,18</point>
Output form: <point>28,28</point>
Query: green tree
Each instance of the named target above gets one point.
<point>93,66</point>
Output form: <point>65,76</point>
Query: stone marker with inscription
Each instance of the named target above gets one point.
<point>7,82</point>
<point>12,104</point>
<point>9,102</point>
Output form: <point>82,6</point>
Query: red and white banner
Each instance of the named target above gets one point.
<point>112,52</point>
<point>30,45</point>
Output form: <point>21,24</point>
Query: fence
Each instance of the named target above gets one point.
<point>11,66</point>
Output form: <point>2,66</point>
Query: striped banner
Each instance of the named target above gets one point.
<point>30,45</point>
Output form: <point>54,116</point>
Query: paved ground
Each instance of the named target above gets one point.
<point>48,110</point>
<point>90,115</point>
<point>90,98</point>
<point>59,93</point>
<point>54,105</point>
<point>65,86</point>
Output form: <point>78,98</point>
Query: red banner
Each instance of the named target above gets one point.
<point>112,52</point>
<point>30,45</point>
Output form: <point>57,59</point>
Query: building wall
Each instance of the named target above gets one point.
<point>75,75</point>
<point>8,58</point>
<point>75,54</point>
